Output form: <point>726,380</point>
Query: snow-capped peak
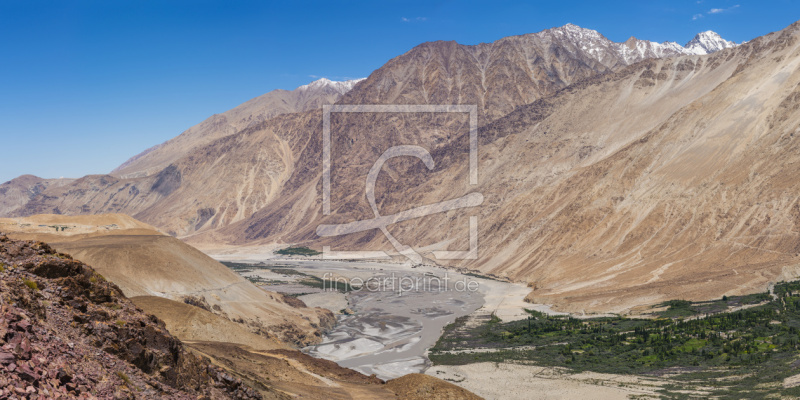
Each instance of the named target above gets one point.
<point>576,32</point>
<point>341,87</point>
<point>595,45</point>
<point>707,42</point>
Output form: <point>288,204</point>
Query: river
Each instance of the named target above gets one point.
<point>400,311</point>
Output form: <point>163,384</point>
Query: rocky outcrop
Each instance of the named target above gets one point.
<point>66,332</point>
<point>424,387</point>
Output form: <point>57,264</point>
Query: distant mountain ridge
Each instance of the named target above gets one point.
<point>277,102</point>
<point>584,44</point>
<point>708,42</point>
<point>703,43</point>
<point>507,73</point>
<point>498,77</point>
<point>20,190</point>
<point>340,87</point>
<point>633,49</point>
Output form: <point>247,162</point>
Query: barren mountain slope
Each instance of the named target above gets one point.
<point>20,190</point>
<point>671,178</point>
<point>502,75</point>
<point>276,102</point>
<point>216,185</point>
<point>705,204</point>
<point>612,121</point>
<point>674,178</point>
<point>144,262</point>
<point>191,323</point>
<point>207,187</point>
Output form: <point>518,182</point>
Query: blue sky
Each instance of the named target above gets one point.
<point>84,85</point>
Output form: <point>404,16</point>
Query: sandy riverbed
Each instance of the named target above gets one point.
<point>509,381</point>
<point>396,318</point>
<point>401,315</point>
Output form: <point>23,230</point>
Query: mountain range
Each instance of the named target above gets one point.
<point>614,174</point>
<point>277,102</point>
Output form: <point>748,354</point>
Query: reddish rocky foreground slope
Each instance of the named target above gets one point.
<point>66,332</point>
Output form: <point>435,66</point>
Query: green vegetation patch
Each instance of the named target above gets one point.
<point>678,309</point>
<point>316,282</point>
<point>741,354</point>
<point>683,308</point>
<point>476,275</point>
<point>297,251</point>
<point>239,267</point>
<point>31,284</point>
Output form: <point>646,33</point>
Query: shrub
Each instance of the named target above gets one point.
<point>31,284</point>
<point>124,378</point>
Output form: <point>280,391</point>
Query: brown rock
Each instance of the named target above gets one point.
<point>7,358</point>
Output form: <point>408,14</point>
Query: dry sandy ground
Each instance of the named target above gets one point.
<point>253,253</point>
<point>333,301</point>
<point>190,323</point>
<point>508,381</point>
<point>507,300</point>
<point>421,387</point>
<point>791,381</point>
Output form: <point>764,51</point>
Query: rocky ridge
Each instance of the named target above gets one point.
<point>20,190</point>
<point>66,332</point>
